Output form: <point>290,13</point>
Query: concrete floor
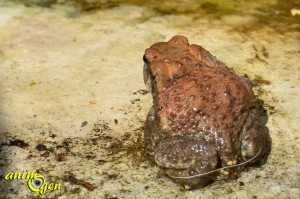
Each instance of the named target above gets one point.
<point>73,100</point>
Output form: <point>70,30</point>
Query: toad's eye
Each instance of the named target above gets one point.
<point>35,184</point>
<point>145,59</point>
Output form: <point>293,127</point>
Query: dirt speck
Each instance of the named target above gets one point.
<point>41,147</point>
<point>84,123</point>
<point>259,80</point>
<point>46,154</point>
<point>61,157</point>
<point>72,179</point>
<point>141,91</point>
<point>19,143</point>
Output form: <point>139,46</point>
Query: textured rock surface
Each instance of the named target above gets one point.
<point>72,82</point>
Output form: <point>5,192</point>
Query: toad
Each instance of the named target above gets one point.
<point>205,123</point>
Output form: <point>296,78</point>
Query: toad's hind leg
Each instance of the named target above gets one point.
<point>253,144</point>
<point>254,140</point>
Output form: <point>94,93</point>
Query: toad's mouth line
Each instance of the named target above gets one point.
<point>231,166</point>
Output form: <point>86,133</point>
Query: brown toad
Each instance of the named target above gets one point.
<point>204,117</point>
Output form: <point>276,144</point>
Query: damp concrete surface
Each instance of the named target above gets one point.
<point>73,101</point>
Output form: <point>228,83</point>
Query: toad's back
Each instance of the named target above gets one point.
<point>195,92</point>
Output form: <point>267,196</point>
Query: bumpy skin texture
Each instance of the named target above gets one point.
<point>203,116</point>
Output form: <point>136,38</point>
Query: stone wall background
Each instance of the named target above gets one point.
<point>73,101</point>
